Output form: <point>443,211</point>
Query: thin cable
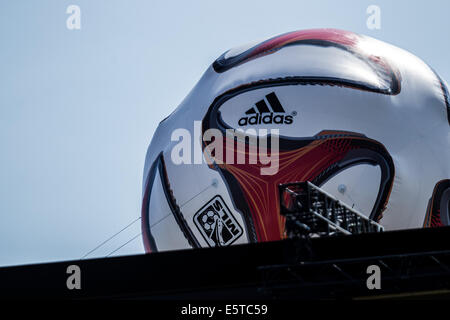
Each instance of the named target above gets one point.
<point>138,235</point>
<point>156,222</point>
<point>101,244</point>
<point>195,196</point>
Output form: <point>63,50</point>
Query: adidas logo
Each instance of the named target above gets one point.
<point>264,115</point>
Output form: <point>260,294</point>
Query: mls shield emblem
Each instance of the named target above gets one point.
<point>216,223</point>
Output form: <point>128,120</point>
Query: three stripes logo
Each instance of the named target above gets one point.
<point>264,115</point>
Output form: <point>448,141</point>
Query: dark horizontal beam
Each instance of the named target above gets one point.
<point>237,271</point>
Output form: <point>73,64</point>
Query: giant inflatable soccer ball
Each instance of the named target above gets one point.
<point>367,122</point>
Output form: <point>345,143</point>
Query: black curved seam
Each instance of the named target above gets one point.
<point>446,99</point>
<point>182,223</point>
<point>221,64</point>
<point>145,211</point>
<point>387,168</point>
<point>444,91</point>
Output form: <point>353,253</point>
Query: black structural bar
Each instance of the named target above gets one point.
<point>325,267</point>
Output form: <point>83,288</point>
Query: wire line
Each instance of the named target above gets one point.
<point>101,244</point>
<point>124,244</point>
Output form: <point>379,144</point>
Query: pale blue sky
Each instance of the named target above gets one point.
<point>78,108</point>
